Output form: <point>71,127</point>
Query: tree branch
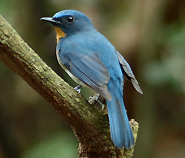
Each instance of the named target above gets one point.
<point>90,125</point>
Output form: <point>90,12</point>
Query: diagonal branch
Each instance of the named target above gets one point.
<point>90,125</point>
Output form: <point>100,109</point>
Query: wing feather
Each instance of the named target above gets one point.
<point>128,72</point>
<point>88,69</point>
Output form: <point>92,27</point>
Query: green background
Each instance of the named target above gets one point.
<point>151,37</point>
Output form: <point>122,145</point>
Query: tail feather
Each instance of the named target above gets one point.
<point>121,132</point>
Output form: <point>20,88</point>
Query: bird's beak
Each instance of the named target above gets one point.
<point>49,19</point>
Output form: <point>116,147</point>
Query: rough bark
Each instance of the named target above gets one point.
<point>90,125</point>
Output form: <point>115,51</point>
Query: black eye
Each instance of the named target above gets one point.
<point>70,19</point>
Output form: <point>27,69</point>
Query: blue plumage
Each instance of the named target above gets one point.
<point>121,132</point>
<point>89,58</point>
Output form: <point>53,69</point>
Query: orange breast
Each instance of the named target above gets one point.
<point>59,33</point>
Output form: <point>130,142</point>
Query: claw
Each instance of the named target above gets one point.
<point>77,88</point>
<point>95,98</point>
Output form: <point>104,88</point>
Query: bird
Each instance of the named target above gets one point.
<point>90,59</point>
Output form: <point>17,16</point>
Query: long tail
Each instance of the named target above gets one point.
<point>121,132</point>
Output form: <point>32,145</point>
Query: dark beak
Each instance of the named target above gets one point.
<point>49,19</point>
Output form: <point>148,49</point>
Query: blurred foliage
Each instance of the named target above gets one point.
<point>149,34</point>
<point>57,146</point>
<point>167,70</point>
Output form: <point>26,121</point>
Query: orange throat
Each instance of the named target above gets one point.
<point>59,34</point>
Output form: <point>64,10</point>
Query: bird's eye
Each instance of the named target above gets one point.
<point>70,19</point>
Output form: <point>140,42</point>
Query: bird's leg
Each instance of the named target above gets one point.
<point>95,98</point>
<point>77,88</point>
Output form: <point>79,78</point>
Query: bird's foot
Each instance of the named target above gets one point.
<point>94,99</point>
<point>77,88</point>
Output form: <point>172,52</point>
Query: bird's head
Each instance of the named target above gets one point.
<point>69,22</point>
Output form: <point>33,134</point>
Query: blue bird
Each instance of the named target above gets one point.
<point>90,59</point>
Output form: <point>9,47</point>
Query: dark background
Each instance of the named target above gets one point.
<point>151,37</point>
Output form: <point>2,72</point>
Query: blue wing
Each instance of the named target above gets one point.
<point>128,72</point>
<point>87,68</point>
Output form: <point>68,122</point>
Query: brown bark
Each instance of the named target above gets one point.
<point>90,125</point>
